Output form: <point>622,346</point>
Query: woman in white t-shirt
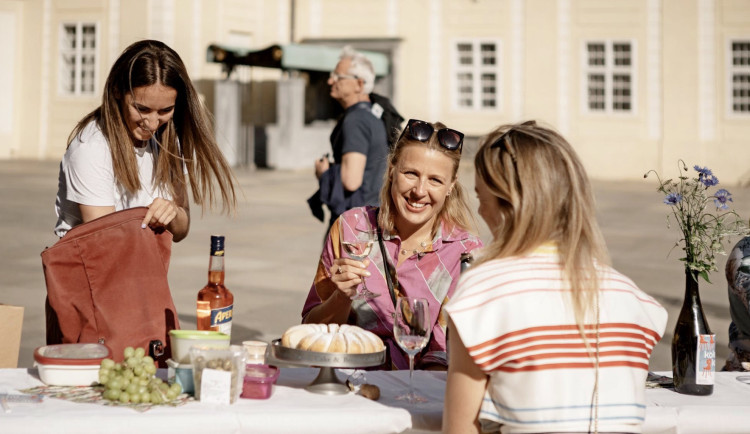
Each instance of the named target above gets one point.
<point>149,141</point>
<point>545,336</point>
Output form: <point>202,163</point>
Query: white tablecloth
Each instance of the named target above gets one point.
<point>293,409</point>
<point>290,409</point>
<point>727,410</point>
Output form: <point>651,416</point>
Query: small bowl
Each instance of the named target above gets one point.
<point>183,340</point>
<point>259,380</point>
<point>70,364</point>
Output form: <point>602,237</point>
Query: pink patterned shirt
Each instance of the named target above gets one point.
<point>432,274</point>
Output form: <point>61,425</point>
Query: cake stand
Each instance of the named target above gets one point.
<point>326,383</point>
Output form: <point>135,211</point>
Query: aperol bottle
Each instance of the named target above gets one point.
<point>215,301</point>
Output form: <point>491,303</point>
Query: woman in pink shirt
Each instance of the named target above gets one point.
<point>423,223</point>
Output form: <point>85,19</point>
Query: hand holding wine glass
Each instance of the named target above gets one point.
<point>411,328</point>
<point>357,237</point>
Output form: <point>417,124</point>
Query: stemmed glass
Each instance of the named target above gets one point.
<point>357,238</point>
<point>411,329</point>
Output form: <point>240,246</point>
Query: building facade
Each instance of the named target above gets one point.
<point>633,84</point>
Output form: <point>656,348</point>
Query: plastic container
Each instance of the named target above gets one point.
<point>256,352</point>
<point>259,380</point>
<point>183,340</point>
<point>181,374</point>
<point>230,360</point>
<point>70,364</point>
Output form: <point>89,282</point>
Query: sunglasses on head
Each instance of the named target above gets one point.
<point>422,131</point>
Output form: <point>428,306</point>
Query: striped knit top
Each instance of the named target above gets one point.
<point>516,320</point>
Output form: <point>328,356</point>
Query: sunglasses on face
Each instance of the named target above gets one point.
<point>336,77</point>
<point>422,131</point>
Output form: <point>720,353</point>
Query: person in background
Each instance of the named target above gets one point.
<point>423,222</point>
<point>137,147</point>
<point>738,281</point>
<point>544,335</point>
<point>358,142</point>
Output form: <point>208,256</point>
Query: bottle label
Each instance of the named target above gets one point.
<point>706,358</point>
<point>221,319</point>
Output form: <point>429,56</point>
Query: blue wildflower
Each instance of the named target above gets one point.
<point>706,176</point>
<point>721,198</point>
<point>673,199</point>
<point>709,180</point>
<point>704,171</point>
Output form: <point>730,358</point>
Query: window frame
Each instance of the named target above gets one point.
<point>78,52</point>
<point>731,70</point>
<point>477,70</point>
<point>609,70</point>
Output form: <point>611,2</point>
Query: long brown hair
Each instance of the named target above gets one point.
<point>455,210</point>
<point>544,195</point>
<point>187,139</point>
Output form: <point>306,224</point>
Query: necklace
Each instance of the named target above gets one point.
<point>419,252</point>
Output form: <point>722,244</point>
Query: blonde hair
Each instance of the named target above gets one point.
<point>544,195</point>
<point>187,139</point>
<point>455,210</point>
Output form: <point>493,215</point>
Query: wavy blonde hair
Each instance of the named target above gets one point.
<point>187,139</point>
<point>455,209</point>
<point>544,195</point>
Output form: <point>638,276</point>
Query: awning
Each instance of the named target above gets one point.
<point>299,57</point>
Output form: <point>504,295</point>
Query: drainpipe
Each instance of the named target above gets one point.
<point>292,8</point>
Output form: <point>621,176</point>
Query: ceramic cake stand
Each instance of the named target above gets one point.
<point>326,382</point>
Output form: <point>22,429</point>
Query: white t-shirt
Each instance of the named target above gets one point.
<point>87,178</point>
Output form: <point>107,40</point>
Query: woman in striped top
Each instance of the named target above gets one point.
<point>545,336</point>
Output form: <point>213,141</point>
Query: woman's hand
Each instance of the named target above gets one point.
<point>347,274</point>
<point>160,213</point>
<point>164,213</point>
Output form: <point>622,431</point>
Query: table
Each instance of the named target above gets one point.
<point>293,409</point>
<point>727,410</point>
<point>290,409</point>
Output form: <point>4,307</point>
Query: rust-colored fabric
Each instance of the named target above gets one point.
<point>107,282</point>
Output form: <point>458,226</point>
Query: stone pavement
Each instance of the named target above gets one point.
<point>273,244</point>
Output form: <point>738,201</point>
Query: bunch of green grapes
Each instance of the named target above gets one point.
<point>134,380</point>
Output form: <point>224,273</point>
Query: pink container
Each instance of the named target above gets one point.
<point>259,381</point>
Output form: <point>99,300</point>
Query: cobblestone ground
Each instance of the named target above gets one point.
<point>273,243</point>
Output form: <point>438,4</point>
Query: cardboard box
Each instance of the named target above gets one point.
<point>11,322</point>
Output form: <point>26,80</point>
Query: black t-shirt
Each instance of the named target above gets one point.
<point>360,131</point>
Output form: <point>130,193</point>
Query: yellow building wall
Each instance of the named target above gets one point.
<point>612,146</point>
<point>64,111</point>
<point>540,86</point>
<point>462,19</point>
<point>731,150</point>
<point>10,139</point>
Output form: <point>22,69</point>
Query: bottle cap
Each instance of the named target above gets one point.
<point>217,245</point>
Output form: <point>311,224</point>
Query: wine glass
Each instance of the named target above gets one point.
<point>357,237</point>
<point>411,329</point>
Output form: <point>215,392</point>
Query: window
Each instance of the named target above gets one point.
<point>608,76</point>
<point>78,59</point>
<point>477,75</point>
<point>739,72</point>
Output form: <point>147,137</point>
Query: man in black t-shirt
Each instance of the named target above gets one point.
<point>358,141</point>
